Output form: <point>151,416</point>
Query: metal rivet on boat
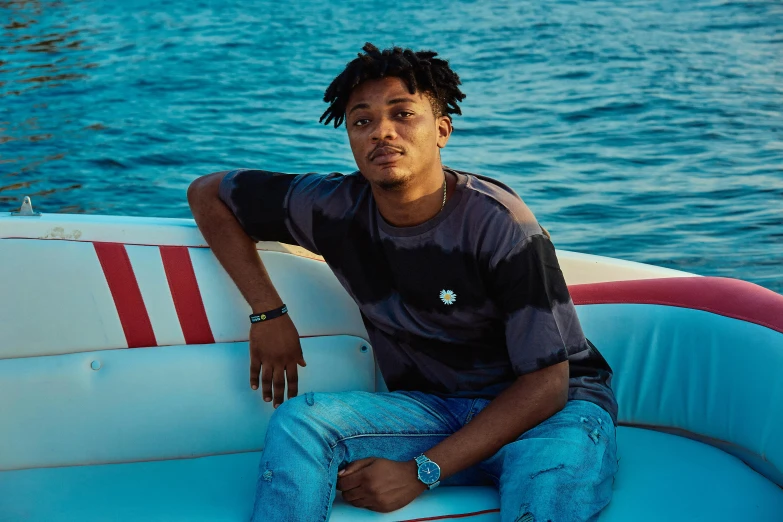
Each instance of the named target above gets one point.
<point>364,349</point>
<point>95,365</point>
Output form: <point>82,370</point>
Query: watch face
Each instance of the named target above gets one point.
<point>429,473</point>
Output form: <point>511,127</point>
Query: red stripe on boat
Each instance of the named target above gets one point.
<point>718,295</point>
<point>187,297</point>
<point>126,294</point>
<point>448,517</point>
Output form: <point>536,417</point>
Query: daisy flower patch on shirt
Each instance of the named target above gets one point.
<point>448,297</point>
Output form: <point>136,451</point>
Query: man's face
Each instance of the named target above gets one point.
<point>394,135</point>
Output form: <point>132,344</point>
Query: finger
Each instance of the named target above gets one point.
<point>354,495</point>
<point>355,466</point>
<point>352,478</point>
<point>301,362</point>
<point>362,503</point>
<point>367,502</point>
<point>348,483</point>
<point>266,382</point>
<point>278,381</point>
<point>255,367</point>
<point>292,376</point>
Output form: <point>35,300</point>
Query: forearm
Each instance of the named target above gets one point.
<point>234,249</point>
<point>530,400</point>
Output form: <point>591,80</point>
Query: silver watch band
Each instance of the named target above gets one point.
<point>421,459</point>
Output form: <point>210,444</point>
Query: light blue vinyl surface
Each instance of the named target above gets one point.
<point>710,376</point>
<point>677,368</point>
<point>661,477</point>
<point>153,403</point>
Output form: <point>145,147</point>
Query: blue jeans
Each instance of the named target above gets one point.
<point>561,470</point>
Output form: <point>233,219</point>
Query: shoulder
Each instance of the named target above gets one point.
<point>502,217</point>
<point>496,198</point>
<point>315,187</point>
<point>332,181</point>
<point>333,194</point>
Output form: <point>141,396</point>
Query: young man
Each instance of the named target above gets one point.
<point>491,377</point>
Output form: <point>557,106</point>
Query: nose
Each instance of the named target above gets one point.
<point>384,130</point>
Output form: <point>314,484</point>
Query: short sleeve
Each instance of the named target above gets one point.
<point>273,206</point>
<point>542,328</point>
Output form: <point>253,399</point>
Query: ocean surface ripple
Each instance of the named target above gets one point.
<point>644,130</point>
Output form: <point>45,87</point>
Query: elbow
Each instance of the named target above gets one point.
<point>204,190</point>
<point>197,190</point>
<point>193,190</point>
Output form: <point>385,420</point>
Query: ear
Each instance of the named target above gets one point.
<point>444,130</point>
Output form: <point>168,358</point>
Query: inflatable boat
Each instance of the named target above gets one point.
<point>124,394</point>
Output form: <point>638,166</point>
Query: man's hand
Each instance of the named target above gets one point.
<point>275,352</point>
<point>379,484</point>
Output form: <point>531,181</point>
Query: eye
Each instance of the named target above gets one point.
<point>405,114</point>
<point>361,122</point>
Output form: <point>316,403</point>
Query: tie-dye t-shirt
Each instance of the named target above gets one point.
<point>459,305</point>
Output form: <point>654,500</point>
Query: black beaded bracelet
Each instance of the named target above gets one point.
<point>271,314</point>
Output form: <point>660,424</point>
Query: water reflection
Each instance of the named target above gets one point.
<point>43,51</point>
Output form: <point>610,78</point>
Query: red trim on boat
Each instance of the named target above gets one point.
<point>126,294</point>
<point>719,295</point>
<point>186,294</point>
<point>447,517</point>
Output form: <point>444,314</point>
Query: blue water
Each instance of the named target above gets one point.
<point>645,130</point>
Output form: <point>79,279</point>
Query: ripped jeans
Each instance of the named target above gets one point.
<point>562,470</point>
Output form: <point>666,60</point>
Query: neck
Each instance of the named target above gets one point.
<point>416,202</point>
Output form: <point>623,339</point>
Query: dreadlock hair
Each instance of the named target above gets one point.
<point>420,71</point>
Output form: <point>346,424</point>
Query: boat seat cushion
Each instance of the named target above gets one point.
<point>661,476</point>
<point>145,404</point>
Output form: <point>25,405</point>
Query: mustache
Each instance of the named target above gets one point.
<point>384,145</point>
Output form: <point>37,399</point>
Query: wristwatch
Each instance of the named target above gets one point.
<point>429,472</point>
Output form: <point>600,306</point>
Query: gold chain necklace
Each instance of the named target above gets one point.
<point>444,192</point>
